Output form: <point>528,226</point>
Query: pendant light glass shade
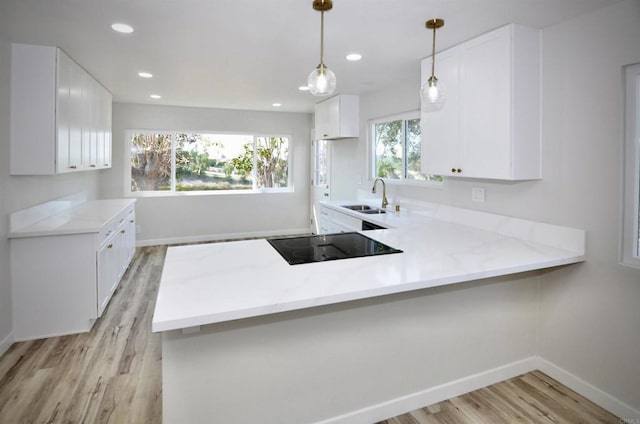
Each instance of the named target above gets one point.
<point>322,81</point>
<point>433,95</point>
<point>432,92</point>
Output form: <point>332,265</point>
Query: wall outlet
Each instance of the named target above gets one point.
<point>138,229</point>
<point>477,194</point>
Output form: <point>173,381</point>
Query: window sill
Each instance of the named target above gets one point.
<point>143,194</point>
<point>630,263</point>
<point>413,183</point>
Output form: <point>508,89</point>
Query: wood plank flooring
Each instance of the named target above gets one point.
<point>109,375</point>
<point>530,398</point>
<point>113,374</point>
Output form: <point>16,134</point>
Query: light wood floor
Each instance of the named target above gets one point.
<point>113,374</point>
<point>109,375</point>
<point>530,398</point>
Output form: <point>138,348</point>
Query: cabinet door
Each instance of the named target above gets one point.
<point>485,113</point>
<point>441,129</point>
<point>123,250</point>
<point>337,117</point>
<point>130,240</point>
<point>322,121</point>
<point>106,124</point>
<point>332,117</point>
<point>63,112</point>
<point>87,116</point>
<point>75,115</point>
<point>107,274</point>
<point>98,121</point>
<point>93,120</point>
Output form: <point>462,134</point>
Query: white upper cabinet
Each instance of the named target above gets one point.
<point>489,126</point>
<point>337,117</point>
<point>57,112</point>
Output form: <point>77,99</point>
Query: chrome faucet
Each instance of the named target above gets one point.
<point>385,203</point>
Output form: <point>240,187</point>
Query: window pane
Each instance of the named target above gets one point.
<point>322,163</point>
<point>272,162</point>
<point>414,153</point>
<point>208,161</point>
<point>151,162</point>
<point>388,149</point>
<point>414,150</point>
<point>213,162</point>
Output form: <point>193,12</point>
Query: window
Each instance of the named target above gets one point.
<point>197,162</point>
<point>631,209</point>
<point>397,149</point>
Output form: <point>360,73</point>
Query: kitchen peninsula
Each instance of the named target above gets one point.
<point>249,338</point>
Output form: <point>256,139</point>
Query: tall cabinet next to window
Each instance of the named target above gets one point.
<point>60,115</point>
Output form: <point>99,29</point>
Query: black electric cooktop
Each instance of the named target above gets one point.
<point>329,247</point>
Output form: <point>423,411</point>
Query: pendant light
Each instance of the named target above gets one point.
<point>322,81</point>
<point>432,91</point>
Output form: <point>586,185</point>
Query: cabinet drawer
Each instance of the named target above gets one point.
<point>107,231</point>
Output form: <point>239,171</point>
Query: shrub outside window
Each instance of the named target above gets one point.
<point>204,162</point>
<point>397,149</point>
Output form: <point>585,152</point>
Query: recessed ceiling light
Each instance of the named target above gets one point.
<point>303,88</point>
<point>145,74</point>
<point>354,57</point>
<point>155,96</point>
<point>276,104</point>
<point>123,28</point>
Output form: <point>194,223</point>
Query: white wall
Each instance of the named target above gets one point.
<point>207,217</point>
<point>369,359</point>
<point>20,192</point>
<point>589,314</point>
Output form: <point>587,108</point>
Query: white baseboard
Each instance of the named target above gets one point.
<point>435,394</point>
<point>6,343</point>
<point>218,237</point>
<point>404,404</point>
<point>589,391</point>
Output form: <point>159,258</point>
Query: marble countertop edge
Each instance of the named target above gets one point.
<point>161,324</point>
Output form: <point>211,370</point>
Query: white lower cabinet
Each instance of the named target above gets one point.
<point>332,221</point>
<point>62,283</point>
<point>116,251</point>
<point>107,274</point>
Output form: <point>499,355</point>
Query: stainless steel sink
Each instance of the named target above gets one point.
<point>359,208</point>
<point>364,209</point>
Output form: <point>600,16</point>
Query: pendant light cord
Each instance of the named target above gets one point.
<point>322,38</point>
<point>433,54</point>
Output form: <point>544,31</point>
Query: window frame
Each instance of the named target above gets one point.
<point>404,116</point>
<point>630,250</point>
<point>172,192</point>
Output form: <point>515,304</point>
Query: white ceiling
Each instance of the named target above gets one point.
<point>248,54</point>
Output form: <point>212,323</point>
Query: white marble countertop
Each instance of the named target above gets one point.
<point>65,217</point>
<point>210,283</point>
